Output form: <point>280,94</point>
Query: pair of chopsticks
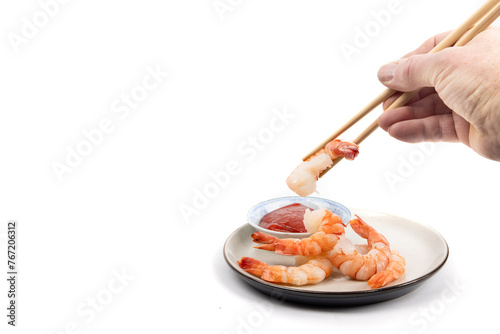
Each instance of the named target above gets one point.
<point>477,23</point>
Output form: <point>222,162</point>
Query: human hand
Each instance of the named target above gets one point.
<point>460,101</point>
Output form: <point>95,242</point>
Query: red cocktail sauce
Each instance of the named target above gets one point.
<point>289,218</point>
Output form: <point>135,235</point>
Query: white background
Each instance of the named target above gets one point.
<point>119,209</point>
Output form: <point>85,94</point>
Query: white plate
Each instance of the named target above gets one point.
<point>424,249</point>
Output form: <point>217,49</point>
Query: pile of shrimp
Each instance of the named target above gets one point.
<point>327,249</point>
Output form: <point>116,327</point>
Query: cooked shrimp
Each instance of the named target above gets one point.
<point>303,179</point>
<point>351,259</point>
<point>394,270</point>
<point>331,228</point>
<point>312,272</point>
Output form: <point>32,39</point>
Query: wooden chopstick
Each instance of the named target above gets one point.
<point>482,25</point>
<point>477,23</point>
<point>372,105</point>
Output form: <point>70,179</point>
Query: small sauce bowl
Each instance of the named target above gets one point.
<point>258,211</point>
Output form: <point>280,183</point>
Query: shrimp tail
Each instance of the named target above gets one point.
<point>381,279</point>
<point>395,269</point>
<point>365,231</point>
<point>253,266</point>
<point>267,241</point>
<point>360,227</point>
<point>263,238</point>
<point>341,148</point>
<point>268,247</point>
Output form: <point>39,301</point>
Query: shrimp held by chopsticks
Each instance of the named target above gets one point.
<point>303,179</point>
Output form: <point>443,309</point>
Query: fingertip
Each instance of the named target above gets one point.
<point>386,73</point>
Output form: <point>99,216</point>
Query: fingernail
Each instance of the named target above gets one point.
<point>386,72</point>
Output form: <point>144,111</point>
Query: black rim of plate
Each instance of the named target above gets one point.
<point>396,290</point>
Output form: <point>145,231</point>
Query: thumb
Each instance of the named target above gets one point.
<point>408,74</point>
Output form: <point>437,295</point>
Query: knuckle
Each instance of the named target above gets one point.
<point>409,70</point>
